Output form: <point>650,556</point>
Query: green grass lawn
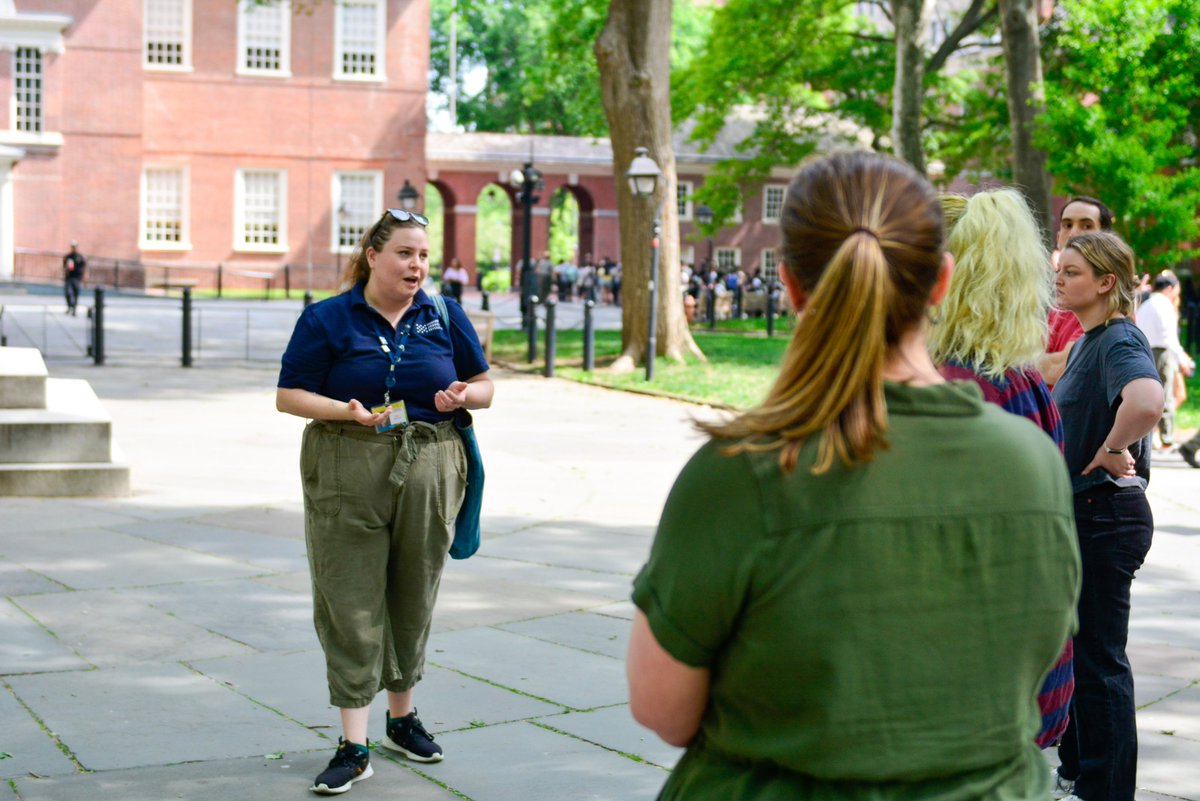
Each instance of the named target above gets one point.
<point>742,363</point>
<point>740,368</point>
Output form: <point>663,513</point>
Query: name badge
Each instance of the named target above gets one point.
<point>397,416</point>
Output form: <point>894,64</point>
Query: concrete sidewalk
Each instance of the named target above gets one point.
<point>161,646</point>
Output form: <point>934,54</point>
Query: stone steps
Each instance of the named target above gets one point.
<point>55,435</point>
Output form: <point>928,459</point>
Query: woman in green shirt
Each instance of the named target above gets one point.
<point>891,571</point>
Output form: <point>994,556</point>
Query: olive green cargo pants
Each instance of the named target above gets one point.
<point>379,515</point>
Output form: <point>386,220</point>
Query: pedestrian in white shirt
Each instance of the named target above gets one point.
<point>1158,318</point>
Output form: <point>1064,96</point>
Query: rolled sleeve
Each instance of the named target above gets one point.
<point>695,583</point>
<point>307,360</point>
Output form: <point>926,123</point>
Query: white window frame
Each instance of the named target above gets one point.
<point>683,198</point>
<point>769,265</point>
<point>380,41</point>
<point>185,35</point>
<point>28,116</point>
<point>337,201</point>
<point>184,242</point>
<point>738,218</point>
<point>768,190</point>
<point>687,255</point>
<point>284,9</point>
<point>737,259</point>
<point>240,243</point>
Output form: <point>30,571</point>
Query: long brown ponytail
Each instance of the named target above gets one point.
<point>862,236</point>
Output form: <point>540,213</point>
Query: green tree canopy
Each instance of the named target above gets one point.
<point>1123,115</point>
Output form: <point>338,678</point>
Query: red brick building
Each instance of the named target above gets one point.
<point>179,135</point>
<point>198,132</point>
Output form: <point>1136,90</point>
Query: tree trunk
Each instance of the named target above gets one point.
<point>1026,100</point>
<point>911,21</point>
<point>633,55</point>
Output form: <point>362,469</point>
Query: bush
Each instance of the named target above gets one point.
<point>497,281</point>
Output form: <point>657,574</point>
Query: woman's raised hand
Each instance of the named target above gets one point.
<point>361,414</point>
<point>452,397</point>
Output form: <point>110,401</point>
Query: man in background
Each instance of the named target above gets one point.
<point>73,266</point>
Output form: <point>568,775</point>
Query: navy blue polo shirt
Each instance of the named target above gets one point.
<point>335,352</point>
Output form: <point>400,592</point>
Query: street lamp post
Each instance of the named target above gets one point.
<point>342,214</point>
<point>704,216</point>
<point>643,175</point>
<point>408,196</point>
<point>529,180</point>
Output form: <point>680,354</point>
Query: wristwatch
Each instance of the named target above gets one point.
<point>1113,450</point>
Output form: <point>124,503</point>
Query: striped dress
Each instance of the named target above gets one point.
<point>1023,392</point>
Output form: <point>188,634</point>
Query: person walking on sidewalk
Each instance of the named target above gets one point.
<point>74,265</point>
<point>1158,318</point>
<point>1110,398</point>
<point>379,375</point>
<point>870,610</point>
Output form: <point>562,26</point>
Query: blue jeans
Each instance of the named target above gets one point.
<point>1099,748</point>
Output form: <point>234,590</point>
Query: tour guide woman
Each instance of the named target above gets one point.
<point>379,374</point>
<point>870,611</point>
<point>1110,398</point>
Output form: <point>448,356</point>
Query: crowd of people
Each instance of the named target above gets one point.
<point>919,577</point>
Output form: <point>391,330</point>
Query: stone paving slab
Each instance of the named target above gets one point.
<point>467,600</point>
<point>246,547</point>
<point>611,586</point>
<point>27,647</point>
<point>249,612</point>
<point>1178,714</point>
<point>155,715</point>
<point>1169,765</point>
<point>1149,689</point>
<point>586,547</point>
<point>520,761</point>
<point>108,628</point>
<point>286,521</point>
<point>26,516</point>
<point>294,684</point>
<point>32,750</point>
<point>249,779</point>
<point>18,580</point>
<point>622,609</point>
<point>565,676</point>
<point>92,558</point>
<point>597,634</point>
<point>615,729</point>
<point>1163,660</point>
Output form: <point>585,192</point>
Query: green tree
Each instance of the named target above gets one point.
<point>541,76</point>
<point>838,86</point>
<point>1123,115</point>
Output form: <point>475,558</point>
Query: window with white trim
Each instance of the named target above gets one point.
<point>167,33</point>
<point>357,204</point>
<point>264,38</point>
<point>260,210</point>
<point>770,266</point>
<point>27,90</point>
<point>773,203</point>
<point>683,193</point>
<point>164,208</point>
<point>358,39</point>
<point>687,255</point>
<point>729,259</point>
<point>737,213</point>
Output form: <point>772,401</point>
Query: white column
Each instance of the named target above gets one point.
<point>9,156</point>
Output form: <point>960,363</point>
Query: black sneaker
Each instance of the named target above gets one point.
<point>1189,455</point>
<point>409,737</point>
<point>351,763</point>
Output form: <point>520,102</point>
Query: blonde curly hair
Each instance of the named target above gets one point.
<point>993,317</point>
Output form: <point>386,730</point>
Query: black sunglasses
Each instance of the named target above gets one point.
<point>403,215</point>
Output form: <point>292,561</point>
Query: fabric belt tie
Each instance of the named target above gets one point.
<point>408,438</point>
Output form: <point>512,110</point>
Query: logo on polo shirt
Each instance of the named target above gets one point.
<point>425,328</point>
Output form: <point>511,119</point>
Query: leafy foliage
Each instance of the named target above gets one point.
<point>541,74</point>
<point>1123,114</point>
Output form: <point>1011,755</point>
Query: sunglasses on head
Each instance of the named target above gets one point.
<point>403,215</point>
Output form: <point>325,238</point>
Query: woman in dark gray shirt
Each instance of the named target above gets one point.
<point>1110,399</point>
